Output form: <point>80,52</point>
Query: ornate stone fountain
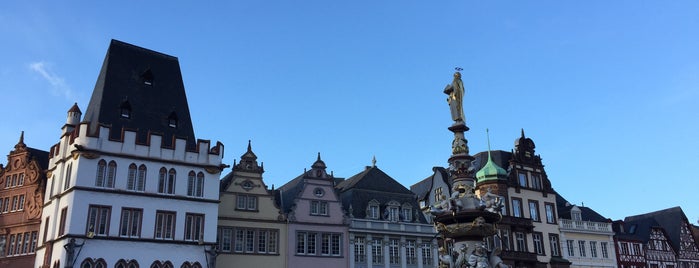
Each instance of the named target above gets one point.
<point>464,219</point>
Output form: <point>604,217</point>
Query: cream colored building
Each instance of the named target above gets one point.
<point>251,230</point>
<point>587,238</point>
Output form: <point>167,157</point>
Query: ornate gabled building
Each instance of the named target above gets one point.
<point>317,227</point>
<point>587,237</point>
<point>662,228</point>
<point>131,174</point>
<point>22,185</point>
<point>387,228</point>
<point>251,228</point>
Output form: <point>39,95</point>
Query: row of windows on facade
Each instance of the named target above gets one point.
<point>101,263</point>
<point>18,244</point>
<point>549,208</point>
<point>394,248</point>
<point>534,181</point>
<point>635,248</point>
<point>241,240</point>
<point>136,179</point>
<point>98,220</point>
<point>394,211</point>
<point>318,244</point>
<point>517,241</point>
<point>16,203</point>
<point>14,180</point>
<point>582,251</point>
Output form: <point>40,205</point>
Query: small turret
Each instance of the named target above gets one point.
<point>73,118</point>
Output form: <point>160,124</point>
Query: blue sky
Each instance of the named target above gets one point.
<point>608,90</point>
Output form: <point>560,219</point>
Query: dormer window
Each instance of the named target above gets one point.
<point>147,78</point>
<point>172,120</point>
<point>392,211</point>
<point>406,213</point>
<point>125,109</point>
<point>576,215</point>
<point>372,210</point>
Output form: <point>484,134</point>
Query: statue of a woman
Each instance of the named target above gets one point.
<point>455,90</point>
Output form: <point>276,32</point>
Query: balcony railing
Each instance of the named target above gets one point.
<point>586,225</point>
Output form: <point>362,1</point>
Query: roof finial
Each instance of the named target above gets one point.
<point>318,156</point>
<point>522,132</point>
<point>21,138</point>
<point>373,161</point>
<point>487,134</point>
<point>249,147</point>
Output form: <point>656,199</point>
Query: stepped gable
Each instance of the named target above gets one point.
<point>670,220</point>
<point>140,90</point>
<point>587,214</point>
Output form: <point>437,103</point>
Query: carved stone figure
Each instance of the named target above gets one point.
<point>445,259</point>
<point>479,257</point>
<point>441,207</point>
<point>495,259</point>
<point>461,259</point>
<point>491,202</point>
<point>455,90</point>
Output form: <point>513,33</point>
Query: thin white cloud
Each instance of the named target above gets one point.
<point>58,84</point>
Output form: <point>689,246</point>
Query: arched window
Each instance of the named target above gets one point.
<point>196,265</point>
<point>167,264</point>
<point>100,263</point>
<point>141,180</point>
<point>131,180</point>
<point>162,180</point>
<point>191,178</point>
<point>87,263</point>
<point>190,265</point>
<point>372,210</point>
<point>406,212</point>
<point>101,172</point>
<point>171,175</point>
<point>111,174</point>
<point>67,177</point>
<point>124,264</point>
<point>156,264</point>
<point>200,184</point>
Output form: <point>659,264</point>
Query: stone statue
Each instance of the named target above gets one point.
<point>455,90</point>
<point>495,259</point>
<point>70,251</point>
<point>491,202</point>
<point>445,259</point>
<point>211,253</point>
<point>461,259</point>
<point>479,257</point>
<point>441,207</point>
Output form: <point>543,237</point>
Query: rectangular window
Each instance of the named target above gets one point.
<point>68,175</point>
<point>624,248</point>
<point>555,248</point>
<point>312,242</point>
<point>11,249</point>
<point>393,214</point>
<point>534,210</point>
<point>21,203</point>
<point>14,203</point>
<point>164,225</point>
<point>505,238</point>
<point>224,241</point>
<point>521,242</point>
<point>325,244</point>
<point>637,249</point>
<point>581,247</point>
<point>373,212</point>
<point>377,251</point>
<point>46,229</point>
<point>571,249</point>
<point>336,245</point>
<point>394,251</point>
<point>98,220</point>
<point>262,239</point>
<point>319,208</point>
<point>194,227</point>
<point>407,214</point>
<point>25,246</point>
<point>426,254</point>
<point>8,180</point>
<point>522,179</point>
<point>538,243</point>
<point>272,241</point>
<point>536,181</point>
<point>550,214</point>
<point>6,206</point>
<point>359,250</point>
<point>1,202</point>
<point>605,253</point>
<point>301,243</point>
<point>239,240</point>
<point>517,207</point>
<point>410,253</point>
<point>593,249</point>
<point>130,222</point>
<point>3,242</point>
<point>246,202</point>
<point>62,221</point>
<point>35,237</point>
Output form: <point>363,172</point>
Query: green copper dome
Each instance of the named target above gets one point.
<point>490,171</point>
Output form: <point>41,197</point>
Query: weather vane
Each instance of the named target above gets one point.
<point>458,69</point>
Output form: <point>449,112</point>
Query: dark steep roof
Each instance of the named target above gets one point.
<point>122,84</point>
<point>670,220</point>
<point>563,208</point>
<point>373,184</point>
<point>41,156</point>
<point>501,158</point>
